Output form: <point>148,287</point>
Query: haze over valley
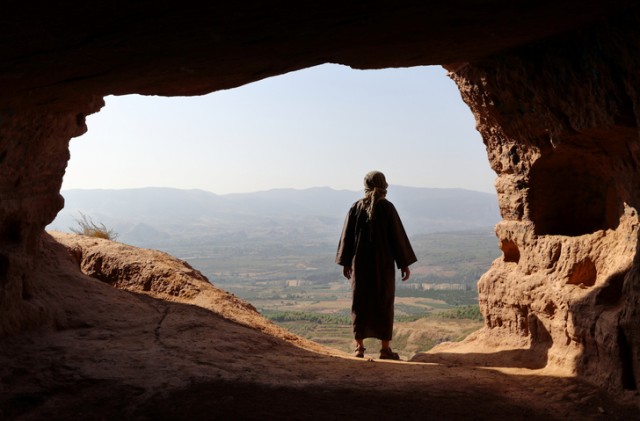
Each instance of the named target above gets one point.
<point>276,248</point>
<point>169,219</point>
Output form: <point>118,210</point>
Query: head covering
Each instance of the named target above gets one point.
<point>375,188</point>
<point>375,179</point>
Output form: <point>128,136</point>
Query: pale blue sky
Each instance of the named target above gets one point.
<point>323,126</point>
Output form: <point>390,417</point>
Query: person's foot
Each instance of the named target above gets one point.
<point>388,354</point>
<point>359,351</point>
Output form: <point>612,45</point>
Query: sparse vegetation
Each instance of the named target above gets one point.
<point>413,333</point>
<point>452,298</point>
<point>87,227</point>
<point>298,286</point>
<point>470,312</point>
<point>296,316</point>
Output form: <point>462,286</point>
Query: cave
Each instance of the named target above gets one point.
<point>554,89</point>
<point>572,194</point>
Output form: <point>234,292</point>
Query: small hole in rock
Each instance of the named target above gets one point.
<point>583,273</point>
<point>510,251</point>
<point>513,154</point>
<point>550,308</point>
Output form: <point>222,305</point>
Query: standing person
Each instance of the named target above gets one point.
<point>372,240</point>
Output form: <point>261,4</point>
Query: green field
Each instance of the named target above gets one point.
<point>301,288</point>
<point>411,334</point>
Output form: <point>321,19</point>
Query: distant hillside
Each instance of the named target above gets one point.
<point>157,217</point>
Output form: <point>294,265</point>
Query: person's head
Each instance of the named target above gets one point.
<point>375,179</point>
<point>375,188</point>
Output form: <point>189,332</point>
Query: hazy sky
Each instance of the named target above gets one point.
<point>324,126</point>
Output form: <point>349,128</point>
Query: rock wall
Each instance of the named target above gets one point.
<point>560,121</point>
<point>33,157</point>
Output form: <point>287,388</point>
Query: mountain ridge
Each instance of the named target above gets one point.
<point>153,216</point>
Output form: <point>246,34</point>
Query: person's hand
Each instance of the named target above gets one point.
<point>347,271</point>
<point>406,273</point>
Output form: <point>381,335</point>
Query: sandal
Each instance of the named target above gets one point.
<point>359,351</point>
<point>388,354</point>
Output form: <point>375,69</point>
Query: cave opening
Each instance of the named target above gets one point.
<point>325,125</point>
<point>286,264</point>
<point>573,194</point>
<point>62,60</point>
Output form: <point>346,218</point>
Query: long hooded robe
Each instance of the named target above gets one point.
<point>371,248</point>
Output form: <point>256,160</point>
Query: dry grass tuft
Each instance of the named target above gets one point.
<point>91,229</point>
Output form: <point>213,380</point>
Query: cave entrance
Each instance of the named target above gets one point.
<point>325,127</point>
<point>573,193</point>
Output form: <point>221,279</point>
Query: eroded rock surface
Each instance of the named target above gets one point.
<point>159,275</point>
<point>560,121</point>
<point>162,354</point>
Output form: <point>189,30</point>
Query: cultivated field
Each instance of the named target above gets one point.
<point>301,288</point>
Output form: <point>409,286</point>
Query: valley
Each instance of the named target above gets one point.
<point>276,249</point>
<point>302,289</point>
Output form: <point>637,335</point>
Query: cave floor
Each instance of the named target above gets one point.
<point>201,366</point>
<point>113,354</point>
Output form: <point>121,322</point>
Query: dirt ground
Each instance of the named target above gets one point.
<point>116,354</point>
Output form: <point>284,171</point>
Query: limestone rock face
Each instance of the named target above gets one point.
<point>554,87</point>
<point>560,121</point>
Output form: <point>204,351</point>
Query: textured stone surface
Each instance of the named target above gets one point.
<point>120,354</point>
<point>171,48</point>
<point>162,276</point>
<point>560,120</point>
<point>33,157</point>
<point>554,87</point>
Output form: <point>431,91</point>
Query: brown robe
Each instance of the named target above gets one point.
<point>371,248</point>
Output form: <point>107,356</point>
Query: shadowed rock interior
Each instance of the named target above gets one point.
<point>554,87</point>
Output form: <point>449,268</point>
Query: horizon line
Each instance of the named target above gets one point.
<point>266,190</point>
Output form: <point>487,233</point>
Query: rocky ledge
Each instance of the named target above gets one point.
<point>169,345</point>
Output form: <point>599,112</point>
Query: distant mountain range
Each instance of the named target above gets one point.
<point>158,217</point>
